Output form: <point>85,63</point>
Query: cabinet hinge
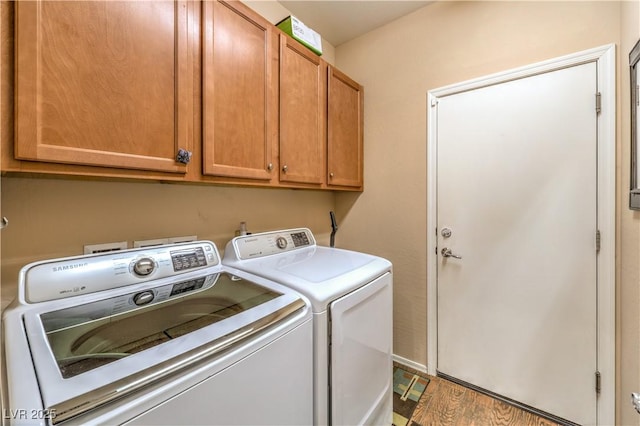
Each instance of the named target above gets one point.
<point>598,102</point>
<point>598,382</point>
<point>598,238</point>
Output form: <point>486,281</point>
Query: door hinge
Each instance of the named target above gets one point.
<point>598,102</point>
<point>598,382</point>
<point>598,238</point>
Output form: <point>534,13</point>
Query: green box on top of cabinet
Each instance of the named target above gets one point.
<point>299,31</point>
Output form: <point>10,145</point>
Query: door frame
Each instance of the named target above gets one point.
<point>604,57</point>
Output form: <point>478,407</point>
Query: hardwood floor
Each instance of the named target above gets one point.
<point>444,403</point>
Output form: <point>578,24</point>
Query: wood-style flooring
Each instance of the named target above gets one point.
<point>444,403</point>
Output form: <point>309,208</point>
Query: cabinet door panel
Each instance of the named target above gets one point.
<point>302,113</point>
<point>238,104</point>
<point>344,126</point>
<point>103,83</point>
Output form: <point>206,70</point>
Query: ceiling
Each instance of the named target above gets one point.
<point>339,21</point>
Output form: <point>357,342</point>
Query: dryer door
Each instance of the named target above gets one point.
<point>361,345</point>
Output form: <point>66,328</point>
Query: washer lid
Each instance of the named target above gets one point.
<point>322,274</point>
<point>88,351</point>
<point>321,264</point>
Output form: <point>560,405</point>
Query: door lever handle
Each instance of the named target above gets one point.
<point>446,252</point>
<point>635,400</point>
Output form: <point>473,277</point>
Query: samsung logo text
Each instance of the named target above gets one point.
<point>70,267</point>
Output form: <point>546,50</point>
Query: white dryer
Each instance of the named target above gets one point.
<point>351,297</point>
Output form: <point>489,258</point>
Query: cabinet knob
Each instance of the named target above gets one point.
<point>285,168</point>
<point>270,166</point>
<point>331,175</point>
<point>183,156</point>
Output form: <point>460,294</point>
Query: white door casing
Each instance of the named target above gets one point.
<point>493,246</point>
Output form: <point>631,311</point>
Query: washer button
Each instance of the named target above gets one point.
<point>143,298</point>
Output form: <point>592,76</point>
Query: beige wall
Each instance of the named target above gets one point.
<point>56,217</point>
<point>628,330</point>
<point>442,44</point>
<point>51,218</point>
<point>274,12</point>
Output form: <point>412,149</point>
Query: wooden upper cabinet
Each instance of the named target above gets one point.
<point>239,92</point>
<point>345,131</point>
<point>103,83</point>
<point>302,113</point>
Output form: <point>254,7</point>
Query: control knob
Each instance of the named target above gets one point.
<point>143,267</point>
<point>143,298</point>
<point>281,242</point>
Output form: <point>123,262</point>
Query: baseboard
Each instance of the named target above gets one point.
<point>409,363</point>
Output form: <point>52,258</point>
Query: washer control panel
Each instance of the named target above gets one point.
<point>268,243</point>
<point>73,276</point>
<point>127,302</point>
<point>188,259</point>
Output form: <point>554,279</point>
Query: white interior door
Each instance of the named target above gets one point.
<point>517,187</point>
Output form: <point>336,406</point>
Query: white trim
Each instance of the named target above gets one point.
<point>432,238</point>
<point>604,57</point>
<point>606,67</point>
<point>408,363</point>
<point>571,60</point>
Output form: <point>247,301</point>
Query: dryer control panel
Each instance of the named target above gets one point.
<point>268,243</point>
<point>73,276</point>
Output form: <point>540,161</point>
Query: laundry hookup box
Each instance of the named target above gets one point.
<point>299,31</point>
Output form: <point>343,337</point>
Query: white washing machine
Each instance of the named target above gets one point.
<point>351,296</point>
<point>160,335</point>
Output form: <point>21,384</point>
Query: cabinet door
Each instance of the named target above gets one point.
<point>344,127</point>
<point>103,83</point>
<point>240,92</point>
<point>302,113</point>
